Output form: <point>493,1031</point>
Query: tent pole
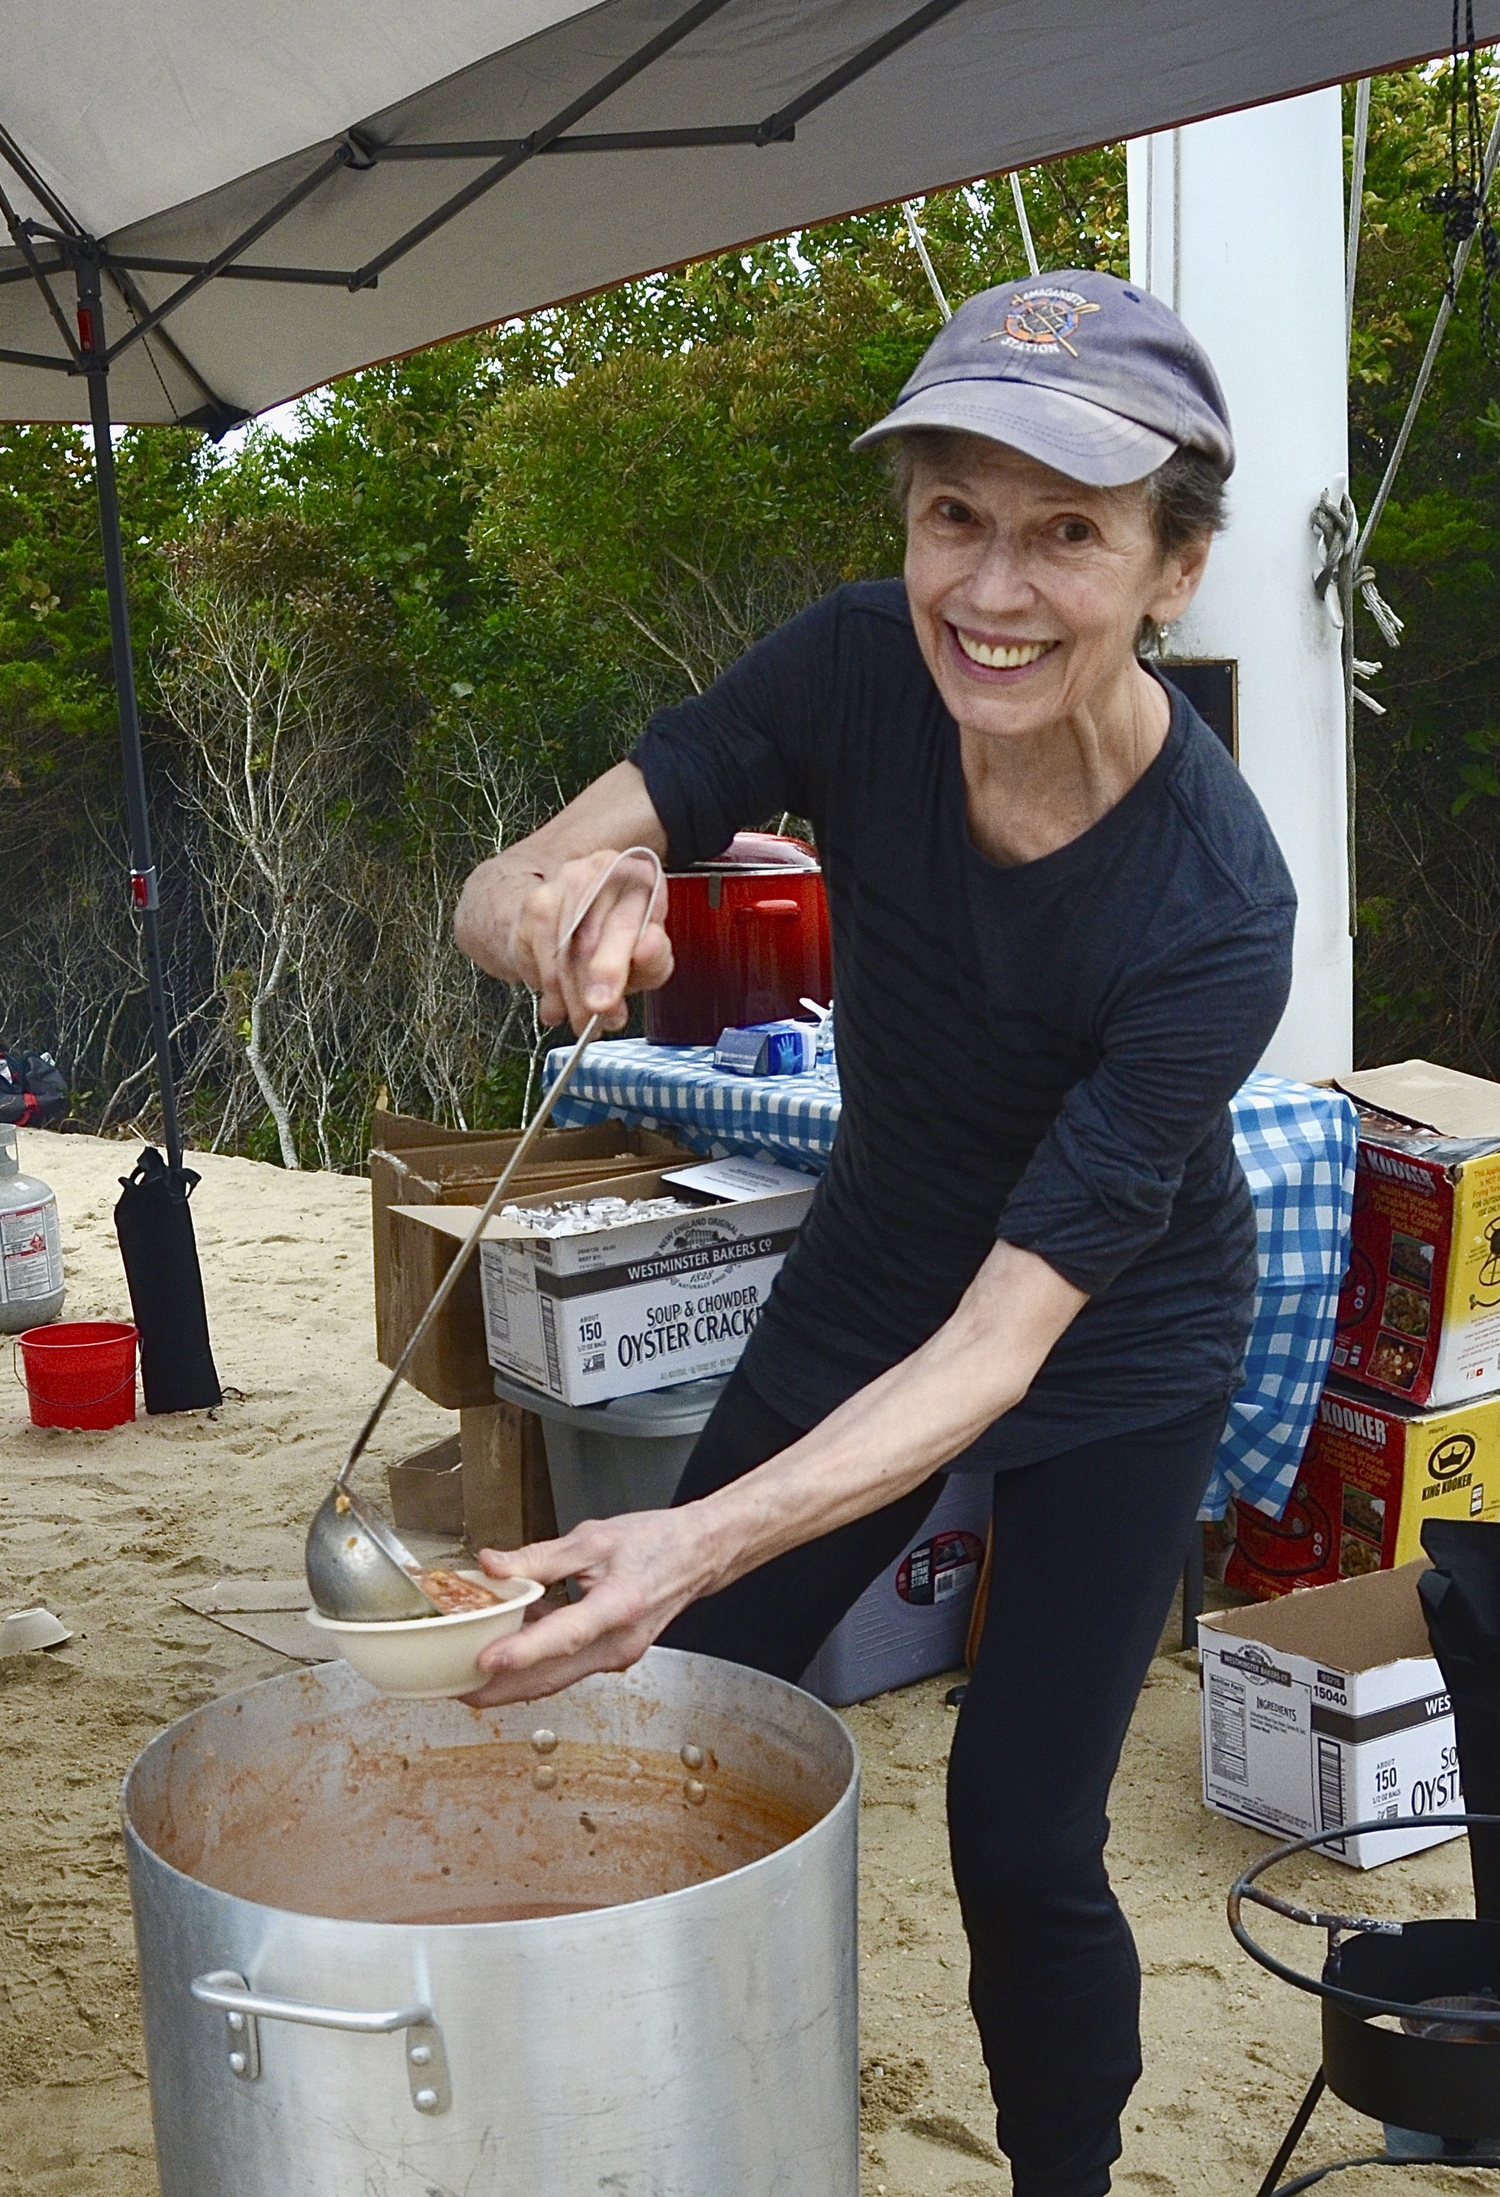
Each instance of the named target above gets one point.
<point>143,890</point>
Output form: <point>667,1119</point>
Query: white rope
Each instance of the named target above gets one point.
<point>1356,203</point>
<point>1343,569</point>
<point>919,246</point>
<point>1391,627</point>
<point>1337,523</point>
<point>1424,375</point>
<point>1020,203</point>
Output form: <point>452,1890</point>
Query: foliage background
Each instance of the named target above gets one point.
<point>500,555</point>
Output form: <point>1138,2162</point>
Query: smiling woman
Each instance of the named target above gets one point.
<point>1027,594</point>
<point>1185,496</point>
<point>1062,938</point>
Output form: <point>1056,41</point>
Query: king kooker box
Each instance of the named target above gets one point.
<point>1419,1313</point>
<point>1372,1474</point>
<point>647,1305</point>
<point>1328,1708</point>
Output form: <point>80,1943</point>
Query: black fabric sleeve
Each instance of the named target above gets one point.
<point>1179,1042</point>
<point>753,744</point>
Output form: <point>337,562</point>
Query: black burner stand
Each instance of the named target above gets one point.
<point>1440,2071</point>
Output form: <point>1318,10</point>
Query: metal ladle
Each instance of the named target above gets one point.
<point>358,1568</point>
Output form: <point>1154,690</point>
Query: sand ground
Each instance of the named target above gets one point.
<point>104,1528</point>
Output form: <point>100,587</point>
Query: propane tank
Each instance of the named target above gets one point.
<point>31,1268</point>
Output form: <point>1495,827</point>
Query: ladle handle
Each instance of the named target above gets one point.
<point>461,1257</point>
<point>532,1131</point>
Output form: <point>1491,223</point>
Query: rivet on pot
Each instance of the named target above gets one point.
<point>544,1777</point>
<point>236,2022</point>
<point>695,1790</point>
<point>238,2063</point>
<point>420,2055</point>
<point>425,2099</point>
<point>692,1757</point>
<point>545,1742</point>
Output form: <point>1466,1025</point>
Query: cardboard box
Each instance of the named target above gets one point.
<point>1327,1708</point>
<point>427,1494</point>
<point>408,1132</point>
<point>1372,1474</point>
<point>507,1497</point>
<point>452,1366</point>
<point>1419,1313</point>
<point>589,1317</point>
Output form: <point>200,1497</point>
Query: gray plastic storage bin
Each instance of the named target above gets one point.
<point>626,1455</point>
<point>910,1623</point>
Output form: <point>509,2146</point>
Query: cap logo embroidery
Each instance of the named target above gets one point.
<point>1042,320</point>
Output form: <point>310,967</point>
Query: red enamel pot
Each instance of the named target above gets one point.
<point>750,939</point>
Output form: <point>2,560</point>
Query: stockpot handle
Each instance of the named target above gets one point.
<point>244,2009</point>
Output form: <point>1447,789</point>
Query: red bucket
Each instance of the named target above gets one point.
<point>80,1373</point>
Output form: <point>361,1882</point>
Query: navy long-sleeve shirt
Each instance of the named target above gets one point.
<point>1041,1052</point>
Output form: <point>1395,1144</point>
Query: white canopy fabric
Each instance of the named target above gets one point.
<point>286,146</point>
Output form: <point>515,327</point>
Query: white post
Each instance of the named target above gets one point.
<point>1238,224</point>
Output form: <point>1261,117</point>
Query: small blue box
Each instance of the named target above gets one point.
<point>768,1049</point>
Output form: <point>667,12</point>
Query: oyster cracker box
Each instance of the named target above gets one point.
<point>1419,1313</point>
<point>1328,1708</point>
<point>650,1303</point>
<point>643,1304</point>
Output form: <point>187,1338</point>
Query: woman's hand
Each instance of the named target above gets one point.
<point>620,946</point>
<point>636,1571</point>
<point>513,914</point>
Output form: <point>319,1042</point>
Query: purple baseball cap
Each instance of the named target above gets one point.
<point>1090,375</point>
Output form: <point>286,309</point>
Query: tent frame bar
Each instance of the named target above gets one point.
<point>479,186</point>
<point>583,141</point>
<point>357,153</point>
<point>37,358</point>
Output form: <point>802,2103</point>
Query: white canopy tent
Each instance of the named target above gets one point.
<point>283,190</point>
<point>213,208</point>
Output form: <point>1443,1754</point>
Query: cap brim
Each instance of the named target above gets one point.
<point>1073,436</point>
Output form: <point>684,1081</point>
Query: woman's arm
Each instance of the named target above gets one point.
<point>752,745</point>
<point>514,907</point>
<point>640,1570</point>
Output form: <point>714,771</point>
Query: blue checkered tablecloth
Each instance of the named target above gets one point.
<point>1297,1145</point>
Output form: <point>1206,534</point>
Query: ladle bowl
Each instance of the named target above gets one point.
<point>358,1571</point>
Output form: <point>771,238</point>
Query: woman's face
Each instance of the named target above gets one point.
<point>1027,589</point>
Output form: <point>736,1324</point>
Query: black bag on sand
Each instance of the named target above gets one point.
<point>155,1228</point>
<point>1461,1602</point>
<point>33,1090</point>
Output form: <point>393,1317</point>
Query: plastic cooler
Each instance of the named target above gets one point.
<point>908,1624</point>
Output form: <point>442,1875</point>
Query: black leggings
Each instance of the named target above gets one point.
<point>1087,1550</point>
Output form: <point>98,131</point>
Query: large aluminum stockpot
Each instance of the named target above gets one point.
<point>330,2013</point>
